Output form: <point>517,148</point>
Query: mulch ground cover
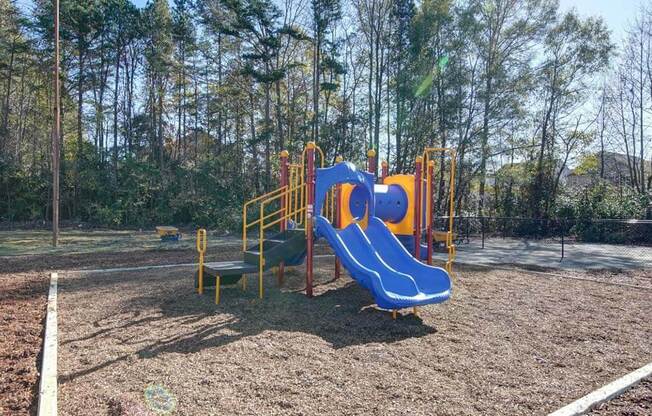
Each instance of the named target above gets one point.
<point>23,301</point>
<point>508,342</point>
<point>635,402</point>
<point>636,277</point>
<point>24,283</point>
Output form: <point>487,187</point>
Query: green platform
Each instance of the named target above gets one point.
<point>288,247</point>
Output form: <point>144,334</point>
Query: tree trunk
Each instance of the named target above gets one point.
<point>484,144</point>
<point>80,105</point>
<point>4,129</point>
<point>115,114</point>
<point>315,90</point>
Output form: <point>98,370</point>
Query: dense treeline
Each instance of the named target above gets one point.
<point>175,112</point>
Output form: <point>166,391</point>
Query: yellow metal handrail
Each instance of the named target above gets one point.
<point>262,225</point>
<point>201,249</point>
<point>294,196</point>
<point>452,251</point>
<point>245,224</point>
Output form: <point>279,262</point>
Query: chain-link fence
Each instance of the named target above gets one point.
<point>573,243</point>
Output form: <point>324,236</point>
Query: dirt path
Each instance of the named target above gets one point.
<point>506,343</point>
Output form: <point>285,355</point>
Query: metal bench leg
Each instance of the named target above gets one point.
<point>217,289</point>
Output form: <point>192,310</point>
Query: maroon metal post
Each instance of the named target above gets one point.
<point>418,185</point>
<point>310,208</point>
<point>371,161</point>
<point>283,182</point>
<point>384,170</point>
<point>431,169</point>
<point>338,218</point>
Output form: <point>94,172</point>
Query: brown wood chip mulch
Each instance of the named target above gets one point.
<point>508,342</point>
<point>634,402</point>
<point>23,303</point>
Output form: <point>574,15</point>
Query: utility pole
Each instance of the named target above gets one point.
<point>56,132</point>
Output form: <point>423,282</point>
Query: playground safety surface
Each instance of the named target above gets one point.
<point>634,402</point>
<point>508,342</point>
<point>23,301</point>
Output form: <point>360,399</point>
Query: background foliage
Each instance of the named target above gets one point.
<point>175,112</point>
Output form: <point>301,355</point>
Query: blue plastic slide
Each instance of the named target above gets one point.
<point>375,257</point>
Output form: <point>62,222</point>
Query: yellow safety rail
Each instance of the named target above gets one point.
<point>245,224</point>
<point>298,195</point>
<point>201,249</point>
<point>295,197</point>
<point>452,250</point>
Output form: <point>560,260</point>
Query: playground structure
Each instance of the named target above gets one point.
<point>372,229</point>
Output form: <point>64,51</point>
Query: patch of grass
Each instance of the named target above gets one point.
<point>20,242</point>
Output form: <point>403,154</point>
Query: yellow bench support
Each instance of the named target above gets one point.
<point>217,289</point>
<point>201,248</point>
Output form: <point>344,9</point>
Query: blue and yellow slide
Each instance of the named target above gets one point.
<point>374,256</point>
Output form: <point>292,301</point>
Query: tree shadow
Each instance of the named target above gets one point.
<point>342,313</point>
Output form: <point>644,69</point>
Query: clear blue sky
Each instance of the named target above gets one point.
<point>617,13</point>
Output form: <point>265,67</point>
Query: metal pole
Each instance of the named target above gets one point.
<point>418,184</point>
<point>482,226</point>
<point>429,205</point>
<point>371,162</point>
<point>310,185</point>
<point>284,208</point>
<point>384,169</point>
<point>338,218</point>
<point>451,215</point>
<point>56,131</point>
<point>563,231</point>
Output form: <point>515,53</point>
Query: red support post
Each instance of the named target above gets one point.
<point>284,182</point>
<point>431,169</point>
<point>384,170</point>
<point>371,161</point>
<point>310,208</point>
<point>338,218</point>
<point>418,185</point>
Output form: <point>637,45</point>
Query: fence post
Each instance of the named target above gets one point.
<point>482,226</point>
<point>563,231</point>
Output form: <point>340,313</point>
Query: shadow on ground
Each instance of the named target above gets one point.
<point>172,318</point>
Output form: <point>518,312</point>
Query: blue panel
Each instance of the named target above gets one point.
<point>391,202</point>
<point>343,172</point>
<point>408,243</point>
<point>358,202</point>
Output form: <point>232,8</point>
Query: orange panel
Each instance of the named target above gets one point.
<point>406,226</point>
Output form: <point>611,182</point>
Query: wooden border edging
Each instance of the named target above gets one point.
<point>601,395</point>
<point>47,393</point>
